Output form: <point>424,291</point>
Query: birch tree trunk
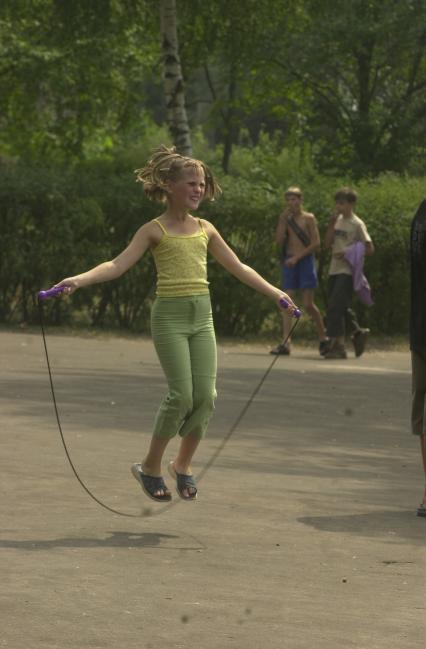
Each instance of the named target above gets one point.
<point>173,81</point>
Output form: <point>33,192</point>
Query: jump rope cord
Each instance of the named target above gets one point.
<point>233,428</point>
<point>206,467</point>
<point>111,509</point>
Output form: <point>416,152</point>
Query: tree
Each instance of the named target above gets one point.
<point>360,68</point>
<point>71,75</point>
<point>225,58</point>
<point>173,81</point>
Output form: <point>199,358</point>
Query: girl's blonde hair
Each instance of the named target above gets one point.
<point>164,165</point>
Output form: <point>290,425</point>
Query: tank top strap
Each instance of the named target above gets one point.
<point>161,226</point>
<point>202,227</point>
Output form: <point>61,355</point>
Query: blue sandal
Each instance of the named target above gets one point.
<point>183,482</point>
<point>151,484</point>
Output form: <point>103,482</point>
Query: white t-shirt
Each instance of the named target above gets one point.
<point>347,230</point>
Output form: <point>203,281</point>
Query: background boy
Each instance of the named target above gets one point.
<point>298,237</point>
<point>344,229</point>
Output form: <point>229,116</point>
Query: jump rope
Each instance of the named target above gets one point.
<point>52,292</point>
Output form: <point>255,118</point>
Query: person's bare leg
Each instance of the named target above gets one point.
<point>182,463</point>
<point>423,449</point>
<point>151,465</point>
<point>312,309</point>
<point>187,448</point>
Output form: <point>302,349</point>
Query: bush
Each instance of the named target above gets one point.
<point>245,215</point>
<point>58,222</point>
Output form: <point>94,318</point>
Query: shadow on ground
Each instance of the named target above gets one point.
<point>115,540</point>
<point>398,525</point>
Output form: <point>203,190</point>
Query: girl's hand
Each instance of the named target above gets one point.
<point>291,305</point>
<point>70,285</point>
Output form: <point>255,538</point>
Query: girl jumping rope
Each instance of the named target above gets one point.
<point>181,316</point>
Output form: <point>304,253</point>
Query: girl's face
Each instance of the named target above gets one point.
<point>188,191</point>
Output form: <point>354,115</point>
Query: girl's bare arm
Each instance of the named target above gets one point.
<point>112,269</point>
<point>229,260</point>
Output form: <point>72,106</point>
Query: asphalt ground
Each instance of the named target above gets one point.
<point>304,534</point>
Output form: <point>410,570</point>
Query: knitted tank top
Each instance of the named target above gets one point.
<point>181,262</point>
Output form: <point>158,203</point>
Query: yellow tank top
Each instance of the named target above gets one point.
<point>181,262</point>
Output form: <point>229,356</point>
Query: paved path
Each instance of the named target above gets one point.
<point>304,535</point>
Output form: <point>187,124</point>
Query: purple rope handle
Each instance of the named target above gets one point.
<point>296,313</point>
<point>51,292</point>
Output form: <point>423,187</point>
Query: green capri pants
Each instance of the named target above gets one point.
<point>184,338</point>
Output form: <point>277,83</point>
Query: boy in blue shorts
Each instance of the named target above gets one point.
<point>298,237</point>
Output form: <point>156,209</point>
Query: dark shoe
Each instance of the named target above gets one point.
<point>183,483</point>
<point>324,347</point>
<point>281,349</point>
<point>421,511</point>
<point>151,484</point>
<point>359,339</point>
<point>338,351</point>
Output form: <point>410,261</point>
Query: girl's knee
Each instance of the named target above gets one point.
<point>181,401</point>
<point>205,400</point>
<point>201,414</point>
<point>175,409</point>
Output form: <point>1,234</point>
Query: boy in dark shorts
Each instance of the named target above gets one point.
<point>418,334</point>
<point>298,237</point>
<point>344,230</point>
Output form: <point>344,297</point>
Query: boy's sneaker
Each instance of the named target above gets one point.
<point>338,351</point>
<point>324,347</point>
<point>359,340</point>
<point>281,349</point>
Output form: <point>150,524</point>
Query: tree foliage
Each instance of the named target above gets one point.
<point>72,75</point>
<point>361,68</point>
<point>344,80</point>
<point>58,221</point>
